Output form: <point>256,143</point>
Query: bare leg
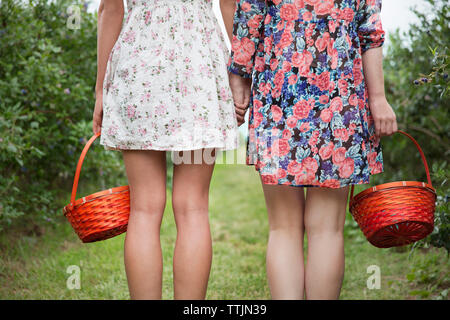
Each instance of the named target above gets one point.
<point>285,267</point>
<point>193,247</point>
<point>146,171</point>
<point>324,224</point>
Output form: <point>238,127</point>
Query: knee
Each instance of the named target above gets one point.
<point>291,225</point>
<point>285,218</point>
<point>190,206</point>
<point>153,205</point>
<point>325,226</point>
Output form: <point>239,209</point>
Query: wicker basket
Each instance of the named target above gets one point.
<point>397,213</point>
<point>101,215</point>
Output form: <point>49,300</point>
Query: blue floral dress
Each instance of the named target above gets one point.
<point>310,123</point>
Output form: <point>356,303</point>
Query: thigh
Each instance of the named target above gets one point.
<point>285,205</point>
<point>325,208</point>
<point>146,172</point>
<point>191,181</point>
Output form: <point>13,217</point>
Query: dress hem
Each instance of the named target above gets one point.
<point>361,182</point>
<point>221,148</point>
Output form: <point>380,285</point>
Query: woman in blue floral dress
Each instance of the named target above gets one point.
<point>317,112</point>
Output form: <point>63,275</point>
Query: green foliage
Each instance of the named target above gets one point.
<point>417,84</point>
<point>47,78</point>
<point>440,237</point>
<point>429,276</point>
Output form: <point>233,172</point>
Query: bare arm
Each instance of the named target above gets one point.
<point>373,72</point>
<point>383,115</point>
<point>371,36</point>
<point>228,7</point>
<point>110,18</point>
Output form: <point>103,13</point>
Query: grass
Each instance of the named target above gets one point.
<point>35,267</point>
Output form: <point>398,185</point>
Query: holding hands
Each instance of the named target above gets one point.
<point>240,88</point>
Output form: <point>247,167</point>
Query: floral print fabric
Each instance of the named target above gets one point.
<point>166,85</point>
<point>310,123</point>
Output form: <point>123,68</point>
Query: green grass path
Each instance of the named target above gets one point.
<point>36,267</point>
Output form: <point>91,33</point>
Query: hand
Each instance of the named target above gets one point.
<point>98,113</point>
<point>383,116</point>
<point>240,87</point>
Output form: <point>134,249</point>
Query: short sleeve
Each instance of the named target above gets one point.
<point>247,31</point>
<point>370,29</point>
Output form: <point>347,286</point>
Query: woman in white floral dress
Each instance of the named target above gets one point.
<point>162,85</point>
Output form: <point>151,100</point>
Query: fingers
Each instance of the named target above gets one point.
<point>97,121</point>
<point>237,93</point>
<point>393,124</point>
<point>378,128</point>
<point>383,127</point>
<point>240,120</point>
<point>395,127</point>
<point>238,99</point>
<point>386,127</point>
<point>389,127</point>
<point>240,89</point>
<point>384,117</point>
<point>240,107</point>
<point>240,117</point>
<point>240,111</point>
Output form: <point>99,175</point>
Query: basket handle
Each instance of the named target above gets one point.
<point>422,155</point>
<point>80,163</point>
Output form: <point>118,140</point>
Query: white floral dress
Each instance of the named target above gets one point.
<point>166,83</point>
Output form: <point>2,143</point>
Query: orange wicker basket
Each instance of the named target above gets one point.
<point>397,213</point>
<point>101,215</point>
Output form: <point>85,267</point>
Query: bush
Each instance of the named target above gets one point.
<point>416,69</point>
<point>47,79</point>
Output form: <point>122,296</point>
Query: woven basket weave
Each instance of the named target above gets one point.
<point>101,215</point>
<point>397,213</point>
